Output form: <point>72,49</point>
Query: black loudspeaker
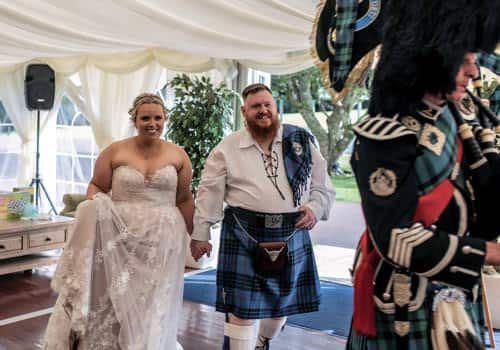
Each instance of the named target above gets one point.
<point>39,87</point>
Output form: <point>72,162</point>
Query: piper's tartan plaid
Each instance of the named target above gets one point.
<point>420,329</point>
<point>495,101</point>
<point>490,61</point>
<point>432,169</point>
<point>246,294</point>
<point>346,18</point>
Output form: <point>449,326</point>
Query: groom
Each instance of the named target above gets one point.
<point>274,182</point>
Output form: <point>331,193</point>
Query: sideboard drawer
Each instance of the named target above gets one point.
<point>46,238</point>
<point>10,244</point>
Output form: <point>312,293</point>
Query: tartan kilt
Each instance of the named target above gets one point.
<point>248,295</point>
<point>420,328</point>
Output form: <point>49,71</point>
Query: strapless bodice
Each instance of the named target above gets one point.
<point>129,184</point>
<point>120,276</point>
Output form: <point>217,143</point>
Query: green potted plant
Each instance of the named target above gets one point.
<point>198,121</point>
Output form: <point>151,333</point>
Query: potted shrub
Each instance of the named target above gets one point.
<point>199,119</point>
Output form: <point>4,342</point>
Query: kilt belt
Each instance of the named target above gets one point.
<point>285,221</point>
<point>265,220</point>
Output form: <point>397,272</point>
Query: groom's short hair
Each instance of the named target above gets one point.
<point>253,89</point>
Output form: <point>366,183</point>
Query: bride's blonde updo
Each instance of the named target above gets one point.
<point>145,98</point>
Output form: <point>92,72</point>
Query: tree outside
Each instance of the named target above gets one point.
<point>304,93</point>
<point>198,121</point>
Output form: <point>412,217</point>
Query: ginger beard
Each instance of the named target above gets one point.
<point>257,128</point>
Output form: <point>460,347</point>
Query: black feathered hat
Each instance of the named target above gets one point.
<point>423,46</point>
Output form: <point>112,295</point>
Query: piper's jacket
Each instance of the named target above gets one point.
<point>398,162</point>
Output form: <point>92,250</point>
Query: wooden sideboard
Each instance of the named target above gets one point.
<point>22,243</point>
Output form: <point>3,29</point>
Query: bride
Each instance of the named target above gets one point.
<point>120,277</point>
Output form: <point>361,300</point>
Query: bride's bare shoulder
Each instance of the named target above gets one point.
<point>173,147</point>
<point>178,153</point>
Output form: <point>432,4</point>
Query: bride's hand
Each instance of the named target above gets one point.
<point>199,248</point>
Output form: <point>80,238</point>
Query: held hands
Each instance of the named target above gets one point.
<point>199,248</point>
<point>308,219</point>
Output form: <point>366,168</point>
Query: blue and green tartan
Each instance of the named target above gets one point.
<point>341,65</point>
<point>490,61</point>
<point>248,295</point>
<point>495,101</point>
<point>420,329</point>
<point>431,169</point>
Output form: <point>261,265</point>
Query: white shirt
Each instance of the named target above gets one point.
<point>234,173</point>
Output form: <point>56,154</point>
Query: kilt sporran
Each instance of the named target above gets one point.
<point>269,258</point>
<point>451,326</point>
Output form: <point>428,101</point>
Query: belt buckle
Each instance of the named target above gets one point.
<point>273,220</point>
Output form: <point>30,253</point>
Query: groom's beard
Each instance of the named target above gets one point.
<point>263,132</point>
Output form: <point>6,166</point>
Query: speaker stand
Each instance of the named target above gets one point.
<point>37,181</point>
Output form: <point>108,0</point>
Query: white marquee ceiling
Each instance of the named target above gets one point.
<point>190,35</point>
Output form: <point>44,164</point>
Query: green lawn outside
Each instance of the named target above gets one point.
<point>345,185</point>
<point>346,188</point>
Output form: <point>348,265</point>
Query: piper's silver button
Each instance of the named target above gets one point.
<point>466,249</point>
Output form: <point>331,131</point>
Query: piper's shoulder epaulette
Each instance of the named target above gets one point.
<point>382,128</point>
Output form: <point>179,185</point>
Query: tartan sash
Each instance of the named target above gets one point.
<point>431,168</point>
<point>297,159</point>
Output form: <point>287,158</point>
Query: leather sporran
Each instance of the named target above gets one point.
<point>271,258</point>
<point>452,328</point>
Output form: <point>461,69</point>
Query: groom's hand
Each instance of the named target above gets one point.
<point>308,219</point>
<point>199,248</point>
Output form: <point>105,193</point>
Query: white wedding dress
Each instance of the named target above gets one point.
<point>120,278</point>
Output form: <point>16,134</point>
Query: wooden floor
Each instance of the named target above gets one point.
<point>200,328</point>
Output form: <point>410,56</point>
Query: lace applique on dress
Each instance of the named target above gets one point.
<point>120,277</point>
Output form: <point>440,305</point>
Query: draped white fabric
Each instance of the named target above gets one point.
<point>24,121</point>
<point>106,97</point>
<point>183,35</point>
<point>122,48</point>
